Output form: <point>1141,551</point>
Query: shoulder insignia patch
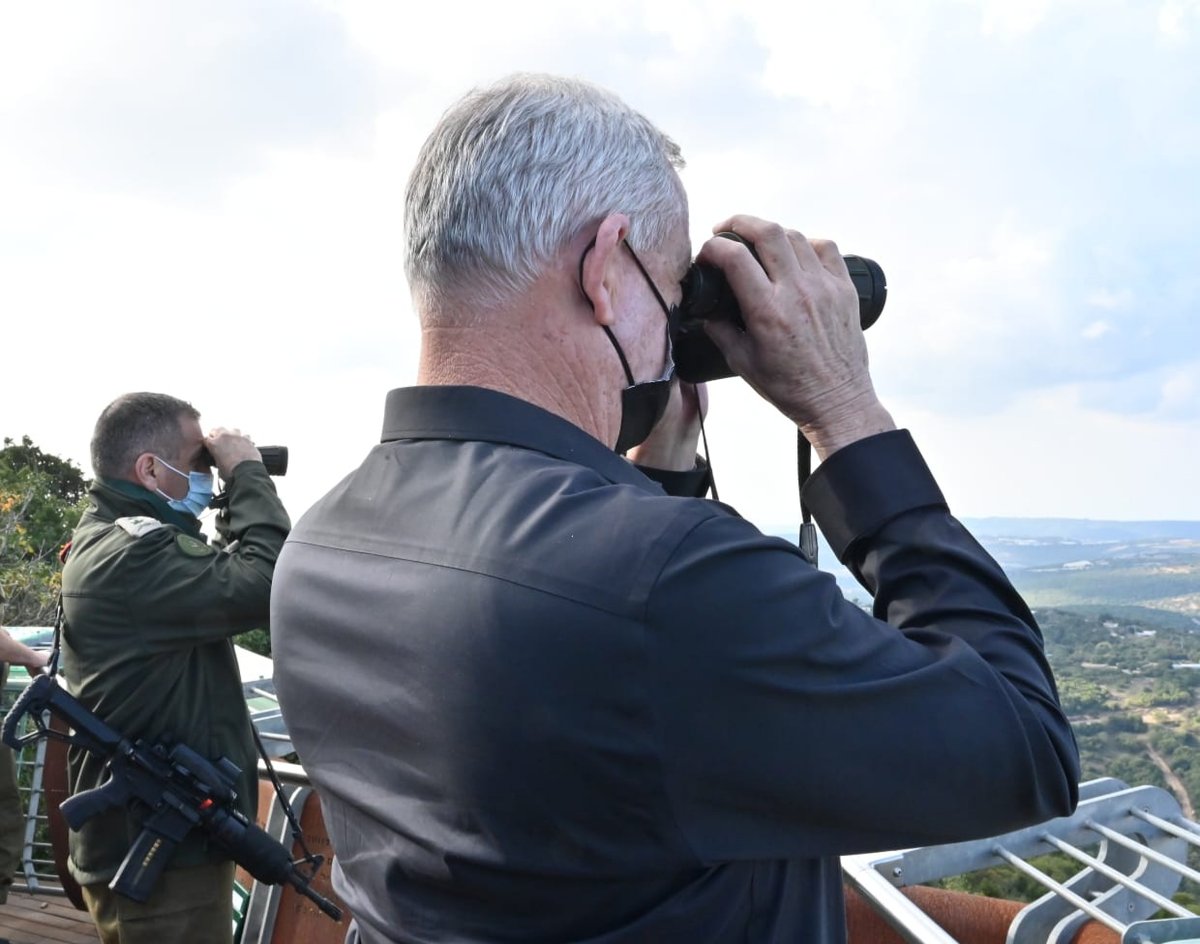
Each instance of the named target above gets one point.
<point>192,547</point>
<point>139,525</point>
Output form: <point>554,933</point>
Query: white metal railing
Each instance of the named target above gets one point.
<point>1131,843</point>
<point>37,857</point>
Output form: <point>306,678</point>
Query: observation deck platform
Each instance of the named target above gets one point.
<point>1132,848</point>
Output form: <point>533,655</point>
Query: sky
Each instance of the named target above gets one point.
<point>206,200</point>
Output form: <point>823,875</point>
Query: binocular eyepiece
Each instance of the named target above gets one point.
<point>707,296</point>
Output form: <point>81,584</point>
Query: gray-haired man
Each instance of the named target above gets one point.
<point>542,699</point>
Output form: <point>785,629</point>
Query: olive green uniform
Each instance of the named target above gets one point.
<point>150,608</point>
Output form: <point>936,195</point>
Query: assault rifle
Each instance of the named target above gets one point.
<point>177,789</point>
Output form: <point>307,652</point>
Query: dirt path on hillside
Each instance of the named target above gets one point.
<point>1173,782</point>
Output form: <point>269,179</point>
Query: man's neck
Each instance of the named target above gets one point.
<point>551,366</point>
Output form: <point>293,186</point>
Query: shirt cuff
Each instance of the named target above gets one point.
<point>694,483</point>
<point>863,486</point>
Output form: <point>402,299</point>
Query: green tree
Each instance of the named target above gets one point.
<point>1082,695</point>
<point>41,499</point>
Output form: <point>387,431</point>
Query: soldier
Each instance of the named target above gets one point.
<point>150,607</point>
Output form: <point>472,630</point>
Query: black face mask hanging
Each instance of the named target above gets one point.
<point>642,404</point>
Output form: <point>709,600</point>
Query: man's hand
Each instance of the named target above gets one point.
<point>17,653</point>
<point>803,349</point>
<point>671,444</point>
<point>228,448</point>
<point>34,661</point>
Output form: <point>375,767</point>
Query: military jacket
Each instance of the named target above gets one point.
<point>150,607</point>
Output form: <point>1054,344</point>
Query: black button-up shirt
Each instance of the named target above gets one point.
<point>543,701</point>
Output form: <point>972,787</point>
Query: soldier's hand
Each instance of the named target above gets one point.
<point>672,443</point>
<point>35,661</point>
<point>228,448</point>
<point>16,652</point>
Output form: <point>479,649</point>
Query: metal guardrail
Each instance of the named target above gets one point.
<point>1132,845</point>
<point>37,857</point>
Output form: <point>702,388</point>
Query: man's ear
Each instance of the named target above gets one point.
<point>600,266</point>
<point>144,472</point>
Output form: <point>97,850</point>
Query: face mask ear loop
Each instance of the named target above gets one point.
<point>621,354</point>
<point>662,302</point>
<point>646,275</point>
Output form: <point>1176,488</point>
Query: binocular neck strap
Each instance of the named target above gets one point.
<point>808,530</point>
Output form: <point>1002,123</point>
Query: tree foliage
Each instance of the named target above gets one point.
<point>41,499</point>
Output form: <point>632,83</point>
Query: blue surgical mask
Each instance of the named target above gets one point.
<point>200,491</point>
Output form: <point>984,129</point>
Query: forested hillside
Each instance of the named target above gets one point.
<point>1129,679</point>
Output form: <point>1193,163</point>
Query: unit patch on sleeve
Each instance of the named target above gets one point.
<point>193,547</point>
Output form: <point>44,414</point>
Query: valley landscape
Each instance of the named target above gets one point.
<point>1119,607</point>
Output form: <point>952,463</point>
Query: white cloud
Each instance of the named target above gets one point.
<point>209,203</point>
<point>837,55</point>
<point>1176,19</point>
<point>1048,455</point>
<point>1044,455</point>
<point>1107,298</point>
<point>1011,19</point>
<point>1180,393</point>
<point>142,96</point>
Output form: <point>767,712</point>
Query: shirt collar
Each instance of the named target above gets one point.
<point>481,415</point>
<point>119,498</point>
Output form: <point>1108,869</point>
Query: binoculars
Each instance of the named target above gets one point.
<point>707,296</point>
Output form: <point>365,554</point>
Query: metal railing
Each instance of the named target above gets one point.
<point>1131,844</point>
<point>37,857</point>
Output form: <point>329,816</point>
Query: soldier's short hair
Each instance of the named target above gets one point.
<point>135,423</point>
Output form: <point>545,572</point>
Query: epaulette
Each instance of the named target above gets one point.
<point>139,525</point>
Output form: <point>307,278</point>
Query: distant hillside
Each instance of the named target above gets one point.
<point>1065,562</point>
<point>1083,530</point>
<point>1079,562</point>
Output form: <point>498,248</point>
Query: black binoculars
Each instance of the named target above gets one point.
<point>708,297</point>
<point>275,458</point>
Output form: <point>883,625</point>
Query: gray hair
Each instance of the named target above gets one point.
<point>512,173</point>
<point>135,423</point>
